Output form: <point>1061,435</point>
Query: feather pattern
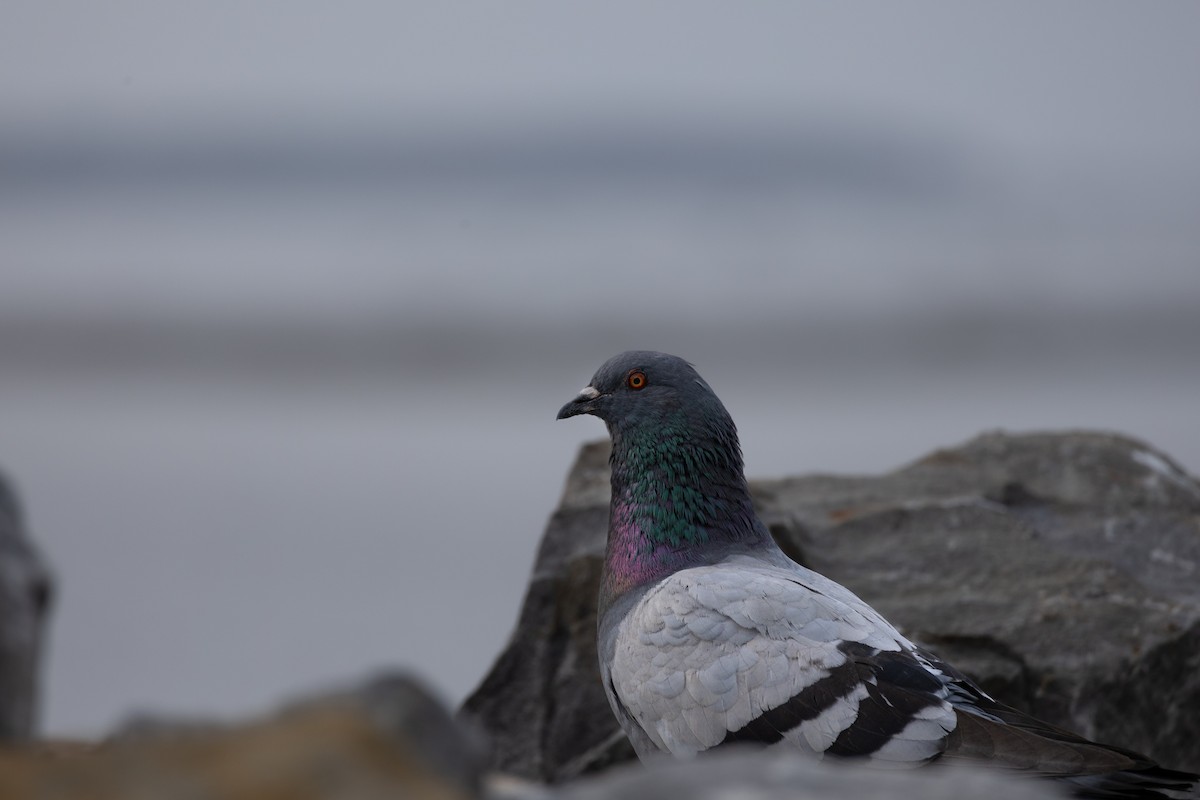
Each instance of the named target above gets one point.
<point>746,651</point>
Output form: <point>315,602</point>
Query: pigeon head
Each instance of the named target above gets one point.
<point>642,388</point>
<point>679,494</point>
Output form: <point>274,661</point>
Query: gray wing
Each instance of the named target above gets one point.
<point>748,650</point>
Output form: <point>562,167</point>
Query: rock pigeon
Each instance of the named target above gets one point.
<point>709,635</point>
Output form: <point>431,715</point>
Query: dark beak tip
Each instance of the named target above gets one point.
<point>583,403</point>
<point>571,409</point>
<point>575,408</point>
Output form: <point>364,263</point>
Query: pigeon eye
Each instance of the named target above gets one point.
<point>636,380</point>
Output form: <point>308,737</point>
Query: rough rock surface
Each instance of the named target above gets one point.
<point>388,739</point>
<point>1061,570</point>
<point>25,589</point>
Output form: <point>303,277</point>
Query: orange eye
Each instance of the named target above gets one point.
<point>636,380</point>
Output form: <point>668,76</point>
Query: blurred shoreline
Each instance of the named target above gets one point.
<point>944,336</point>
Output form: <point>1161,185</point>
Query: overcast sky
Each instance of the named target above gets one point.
<point>1096,76</point>
<point>1072,127</point>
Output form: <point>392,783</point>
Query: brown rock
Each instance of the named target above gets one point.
<point>389,740</point>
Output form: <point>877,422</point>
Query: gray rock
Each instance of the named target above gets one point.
<point>1061,570</point>
<point>542,703</point>
<point>25,593</point>
<point>767,775</point>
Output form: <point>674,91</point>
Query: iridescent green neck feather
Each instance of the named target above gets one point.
<point>679,497</point>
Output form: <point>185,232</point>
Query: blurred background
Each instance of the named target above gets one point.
<point>290,292</point>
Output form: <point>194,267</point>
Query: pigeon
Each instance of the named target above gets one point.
<point>709,635</point>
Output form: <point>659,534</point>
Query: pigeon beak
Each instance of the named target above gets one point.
<point>582,404</point>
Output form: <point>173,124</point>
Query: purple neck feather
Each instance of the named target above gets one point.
<point>678,500</point>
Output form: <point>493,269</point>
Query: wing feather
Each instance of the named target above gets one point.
<point>748,651</point>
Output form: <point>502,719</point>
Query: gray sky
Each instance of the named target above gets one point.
<point>1072,127</point>
<point>1102,77</point>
